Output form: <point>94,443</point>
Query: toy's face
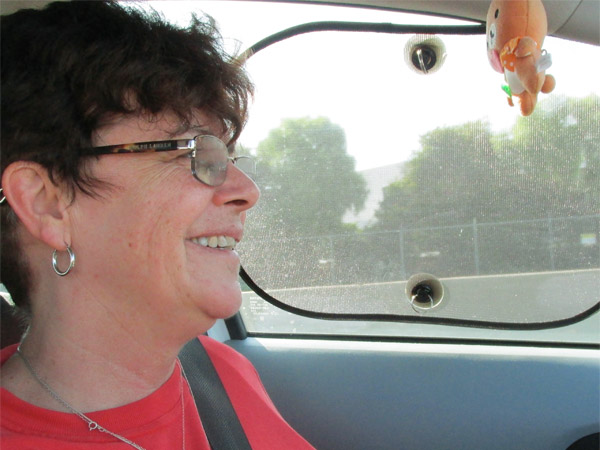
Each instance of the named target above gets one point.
<point>507,19</point>
<point>493,48</point>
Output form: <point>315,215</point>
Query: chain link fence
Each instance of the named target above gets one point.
<point>544,245</point>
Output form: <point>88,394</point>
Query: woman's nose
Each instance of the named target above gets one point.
<point>238,189</point>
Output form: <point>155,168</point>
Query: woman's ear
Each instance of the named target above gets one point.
<point>40,205</point>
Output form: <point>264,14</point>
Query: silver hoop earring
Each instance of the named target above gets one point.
<point>55,262</point>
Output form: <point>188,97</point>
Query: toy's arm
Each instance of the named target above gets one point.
<point>527,54</point>
<point>526,46</point>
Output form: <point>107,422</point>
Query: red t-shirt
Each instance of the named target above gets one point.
<point>154,422</point>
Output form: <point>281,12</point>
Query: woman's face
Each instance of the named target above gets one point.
<point>141,247</point>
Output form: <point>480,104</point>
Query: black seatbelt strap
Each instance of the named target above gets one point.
<point>220,421</point>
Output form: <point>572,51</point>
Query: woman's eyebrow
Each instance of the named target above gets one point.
<point>199,130</point>
<point>194,130</point>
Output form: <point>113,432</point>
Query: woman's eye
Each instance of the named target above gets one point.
<point>179,159</point>
<point>184,156</point>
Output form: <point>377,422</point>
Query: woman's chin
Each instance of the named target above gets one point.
<point>225,305</point>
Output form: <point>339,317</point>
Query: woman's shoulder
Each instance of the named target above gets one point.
<point>262,422</point>
<point>238,375</point>
<point>225,357</point>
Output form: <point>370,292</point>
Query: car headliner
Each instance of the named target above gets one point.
<point>577,20</point>
<point>571,19</point>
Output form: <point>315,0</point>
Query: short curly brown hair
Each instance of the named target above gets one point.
<point>68,67</point>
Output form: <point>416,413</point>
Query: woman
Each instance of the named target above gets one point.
<point>115,252</point>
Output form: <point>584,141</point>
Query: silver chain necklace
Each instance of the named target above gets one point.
<point>92,425</point>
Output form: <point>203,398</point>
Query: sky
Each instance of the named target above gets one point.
<point>383,108</point>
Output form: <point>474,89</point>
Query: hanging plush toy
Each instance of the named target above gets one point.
<point>515,33</point>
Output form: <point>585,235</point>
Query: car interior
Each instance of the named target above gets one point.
<point>423,268</point>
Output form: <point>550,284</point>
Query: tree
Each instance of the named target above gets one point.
<point>519,183</point>
<point>450,181</point>
<point>307,178</point>
<point>559,156</point>
<point>548,165</point>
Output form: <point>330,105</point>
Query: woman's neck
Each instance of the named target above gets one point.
<point>89,365</point>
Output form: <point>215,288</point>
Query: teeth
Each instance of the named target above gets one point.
<point>223,242</point>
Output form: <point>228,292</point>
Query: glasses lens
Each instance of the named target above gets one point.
<point>210,163</point>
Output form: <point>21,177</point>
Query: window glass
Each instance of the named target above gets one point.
<point>373,174</point>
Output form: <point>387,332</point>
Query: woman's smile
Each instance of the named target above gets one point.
<point>222,242</point>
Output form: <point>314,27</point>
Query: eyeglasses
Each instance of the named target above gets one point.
<point>208,153</point>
